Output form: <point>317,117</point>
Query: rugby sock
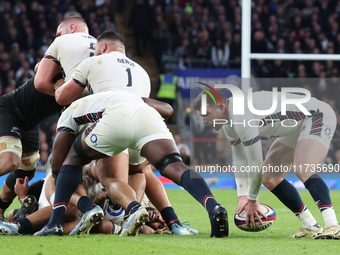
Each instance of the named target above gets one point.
<point>24,225</point>
<point>68,181</point>
<point>290,197</point>
<point>132,207</point>
<point>85,204</point>
<point>193,182</point>
<point>320,193</point>
<point>169,216</point>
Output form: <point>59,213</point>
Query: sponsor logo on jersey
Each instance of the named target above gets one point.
<point>15,130</point>
<point>327,131</point>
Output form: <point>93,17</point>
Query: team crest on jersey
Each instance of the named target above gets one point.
<point>327,131</point>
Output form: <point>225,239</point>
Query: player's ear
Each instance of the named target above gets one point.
<point>103,47</point>
<point>73,28</point>
<point>222,108</point>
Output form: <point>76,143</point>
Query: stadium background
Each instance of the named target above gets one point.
<point>200,40</point>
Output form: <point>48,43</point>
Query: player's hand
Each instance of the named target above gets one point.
<point>242,201</point>
<point>253,211</point>
<point>58,83</point>
<point>21,187</point>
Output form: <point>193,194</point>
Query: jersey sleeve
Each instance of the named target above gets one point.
<point>81,73</point>
<point>247,146</point>
<point>53,52</point>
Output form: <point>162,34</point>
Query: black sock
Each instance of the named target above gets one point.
<point>193,182</point>
<point>85,204</point>
<point>319,191</point>
<point>24,225</point>
<point>132,207</point>
<point>289,196</point>
<point>68,181</point>
<point>4,204</point>
<point>169,216</point>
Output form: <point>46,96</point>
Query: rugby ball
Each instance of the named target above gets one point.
<point>240,219</point>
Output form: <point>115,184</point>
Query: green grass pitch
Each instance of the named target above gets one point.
<point>270,241</point>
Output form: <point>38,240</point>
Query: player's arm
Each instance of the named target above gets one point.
<point>74,87</point>
<point>69,92</point>
<point>164,109</point>
<point>253,151</point>
<point>241,177</point>
<point>49,67</point>
<point>250,139</point>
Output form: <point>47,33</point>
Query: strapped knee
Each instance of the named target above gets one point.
<point>167,160</point>
<point>30,162</point>
<point>11,145</point>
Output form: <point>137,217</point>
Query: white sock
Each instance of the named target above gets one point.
<point>329,217</point>
<point>307,220</point>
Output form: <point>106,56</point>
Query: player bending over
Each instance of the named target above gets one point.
<point>304,143</point>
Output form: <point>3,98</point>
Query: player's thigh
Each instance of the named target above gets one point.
<point>309,154</point>
<point>10,144</point>
<point>277,163</point>
<point>116,168</point>
<point>10,154</point>
<point>314,141</point>
<point>61,146</point>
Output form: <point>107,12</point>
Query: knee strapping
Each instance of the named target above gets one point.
<point>11,145</point>
<point>167,160</point>
<point>30,162</point>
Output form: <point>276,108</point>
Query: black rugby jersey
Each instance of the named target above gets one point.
<point>31,105</point>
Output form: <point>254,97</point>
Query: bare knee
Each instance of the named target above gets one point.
<point>271,183</point>
<point>9,164</point>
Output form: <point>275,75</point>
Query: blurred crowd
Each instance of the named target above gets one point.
<point>184,34</point>
<point>189,34</point>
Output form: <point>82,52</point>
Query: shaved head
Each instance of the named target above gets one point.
<point>73,24</point>
<point>111,40</point>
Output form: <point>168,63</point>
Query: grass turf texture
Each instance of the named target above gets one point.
<point>271,241</point>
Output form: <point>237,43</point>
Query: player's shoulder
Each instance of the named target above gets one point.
<point>68,38</point>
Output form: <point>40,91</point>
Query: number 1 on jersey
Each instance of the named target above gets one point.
<point>128,70</point>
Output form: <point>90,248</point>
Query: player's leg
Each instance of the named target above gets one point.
<point>163,154</point>
<point>308,154</point>
<point>113,175</point>
<point>10,159</point>
<point>67,183</point>
<point>137,179</point>
<point>12,148</point>
<point>61,146</point>
<point>156,193</point>
<point>281,154</point>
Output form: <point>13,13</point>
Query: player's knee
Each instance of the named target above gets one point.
<point>167,160</point>
<point>269,183</point>
<point>29,163</point>
<point>9,165</point>
<point>10,155</point>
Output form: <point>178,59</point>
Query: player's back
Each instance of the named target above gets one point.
<point>91,108</point>
<point>115,71</point>
<point>70,50</point>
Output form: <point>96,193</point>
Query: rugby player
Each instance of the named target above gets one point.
<point>19,136</point>
<point>165,155</point>
<point>305,142</point>
<point>75,120</point>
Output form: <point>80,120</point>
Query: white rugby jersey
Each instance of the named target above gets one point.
<point>70,50</point>
<point>245,140</point>
<point>270,126</point>
<point>113,71</point>
<point>89,109</point>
